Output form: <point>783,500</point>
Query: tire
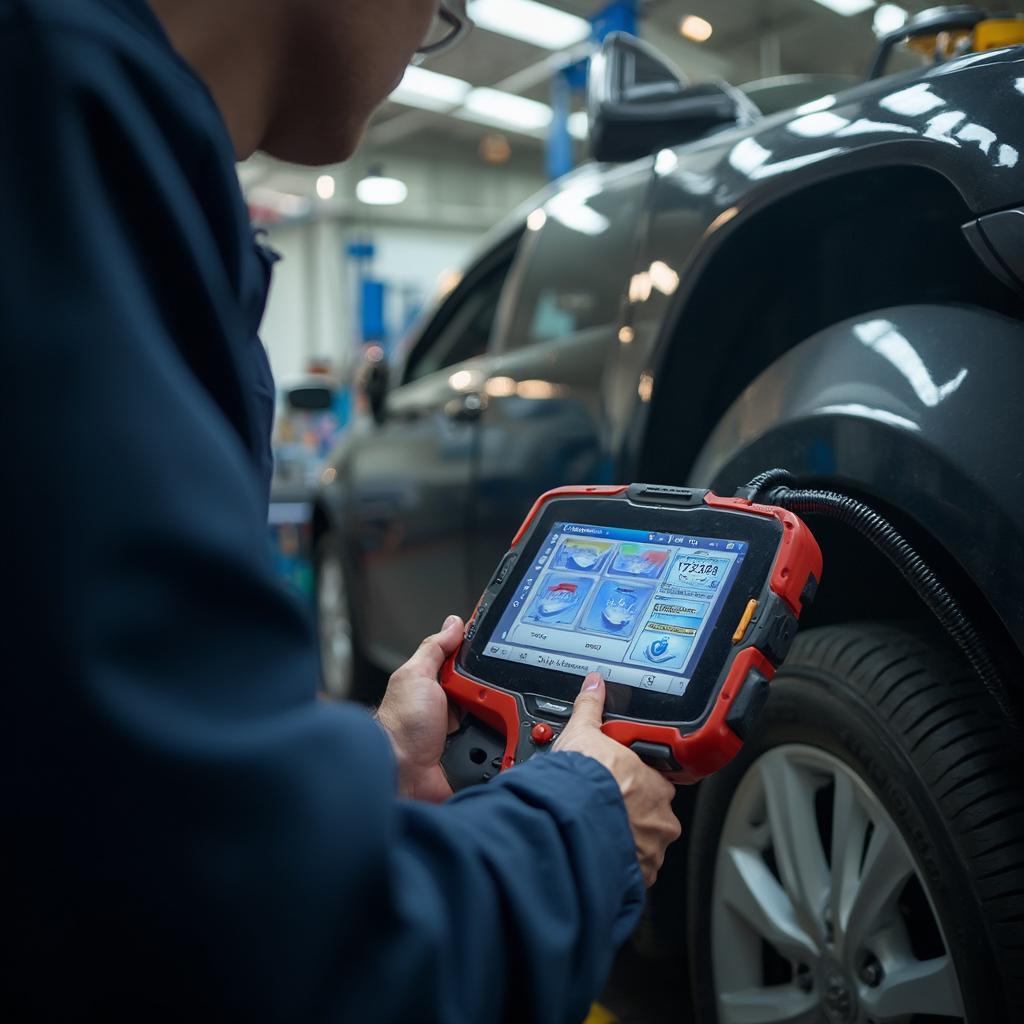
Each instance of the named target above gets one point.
<point>888,726</point>
<point>345,673</point>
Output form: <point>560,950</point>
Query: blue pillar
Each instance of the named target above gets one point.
<point>619,16</point>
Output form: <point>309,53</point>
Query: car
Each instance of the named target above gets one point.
<point>834,288</point>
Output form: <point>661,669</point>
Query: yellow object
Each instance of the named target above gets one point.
<point>748,614</point>
<point>599,1015</point>
<point>994,33</point>
<point>946,44</point>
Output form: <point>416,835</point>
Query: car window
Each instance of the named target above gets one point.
<point>462,327</point>
<point>575,263</point>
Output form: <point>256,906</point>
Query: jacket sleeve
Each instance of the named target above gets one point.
<point>197,836</point>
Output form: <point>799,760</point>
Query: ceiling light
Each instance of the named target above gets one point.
<point>325,186</point>
<point>492,106</point>
<point>430,91</point>
<point>847,7</point>
<point>377,190</point>
<point>495,148</point>
<point>697,29</point>
<point>579,124</point>
<point>530,22</point>
<point>888,18</point>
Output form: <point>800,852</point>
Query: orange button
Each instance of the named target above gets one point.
<point>542,733</point>
<point>748,614</point>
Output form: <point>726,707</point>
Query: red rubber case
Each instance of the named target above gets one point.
<point>742,684</point>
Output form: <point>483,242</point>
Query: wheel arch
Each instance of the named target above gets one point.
<point>912,409</point>
<point>793,260</point>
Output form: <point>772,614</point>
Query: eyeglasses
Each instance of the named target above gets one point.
<point>450,26</point>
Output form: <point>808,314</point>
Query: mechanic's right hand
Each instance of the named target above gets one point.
<point>648,795</point>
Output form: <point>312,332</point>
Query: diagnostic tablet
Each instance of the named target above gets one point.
<point>683,601</point>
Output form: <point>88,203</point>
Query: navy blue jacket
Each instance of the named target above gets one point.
<point>189,833</point>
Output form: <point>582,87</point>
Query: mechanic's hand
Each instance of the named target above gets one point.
<point>416,714</point>
<point>647,794</point>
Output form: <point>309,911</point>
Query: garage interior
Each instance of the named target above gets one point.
<point>675,342</point>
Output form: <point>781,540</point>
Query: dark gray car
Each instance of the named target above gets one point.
<point>835,288</point>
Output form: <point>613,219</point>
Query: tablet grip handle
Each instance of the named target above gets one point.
<point>473,754</point>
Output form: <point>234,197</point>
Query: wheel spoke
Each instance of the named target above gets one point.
<point>887,866</point>
<point>915,986</point>
<point>790,793</point>
<point>779,1004</point>
<point>849,826</point>
<point>753,892</point>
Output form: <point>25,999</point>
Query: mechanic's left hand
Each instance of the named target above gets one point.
<point>416,714</point>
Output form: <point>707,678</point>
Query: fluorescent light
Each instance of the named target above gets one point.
<point>430,91</point>
<point>888,18</point>
<point>530,22</point>
<point>697,29</point>
<point>325,186</point>
<point>376,190</point>
<point>847,7</point>
<point>492,106</point>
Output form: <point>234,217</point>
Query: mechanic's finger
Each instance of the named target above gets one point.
<point>451,634</point>
<point>431,654</point>
<point>589,705</point>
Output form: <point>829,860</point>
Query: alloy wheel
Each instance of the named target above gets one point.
<point>337,655</point>
<point>820,914</point>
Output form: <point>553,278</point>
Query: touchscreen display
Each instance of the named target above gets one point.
<point>637,607</point>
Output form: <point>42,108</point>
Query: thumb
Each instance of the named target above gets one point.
<point>589,706</point>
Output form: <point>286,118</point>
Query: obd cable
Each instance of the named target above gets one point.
<point>776,487</point>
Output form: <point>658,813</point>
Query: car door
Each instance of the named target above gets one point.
<point>411,475</point>
<point>543,422</point>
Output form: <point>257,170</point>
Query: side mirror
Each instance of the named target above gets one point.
<point>638,102</point>
<point>310,399</point>
<point>376,381</point>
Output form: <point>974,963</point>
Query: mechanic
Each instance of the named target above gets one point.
<point>196,836</point>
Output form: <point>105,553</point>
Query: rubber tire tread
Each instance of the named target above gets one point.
<point>935,716</point>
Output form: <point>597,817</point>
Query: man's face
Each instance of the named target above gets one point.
<point>343,57</point>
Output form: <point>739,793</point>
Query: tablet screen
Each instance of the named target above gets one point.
<point>637,607</point>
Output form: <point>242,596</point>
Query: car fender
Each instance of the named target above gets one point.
<point>917,407</point>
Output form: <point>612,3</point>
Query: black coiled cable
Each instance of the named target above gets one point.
<point>774,487</point>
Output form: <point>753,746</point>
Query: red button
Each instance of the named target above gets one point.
<point>542,733</point>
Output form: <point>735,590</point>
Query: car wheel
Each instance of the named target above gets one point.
<point>862,860</point>
<point>343,670</point>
